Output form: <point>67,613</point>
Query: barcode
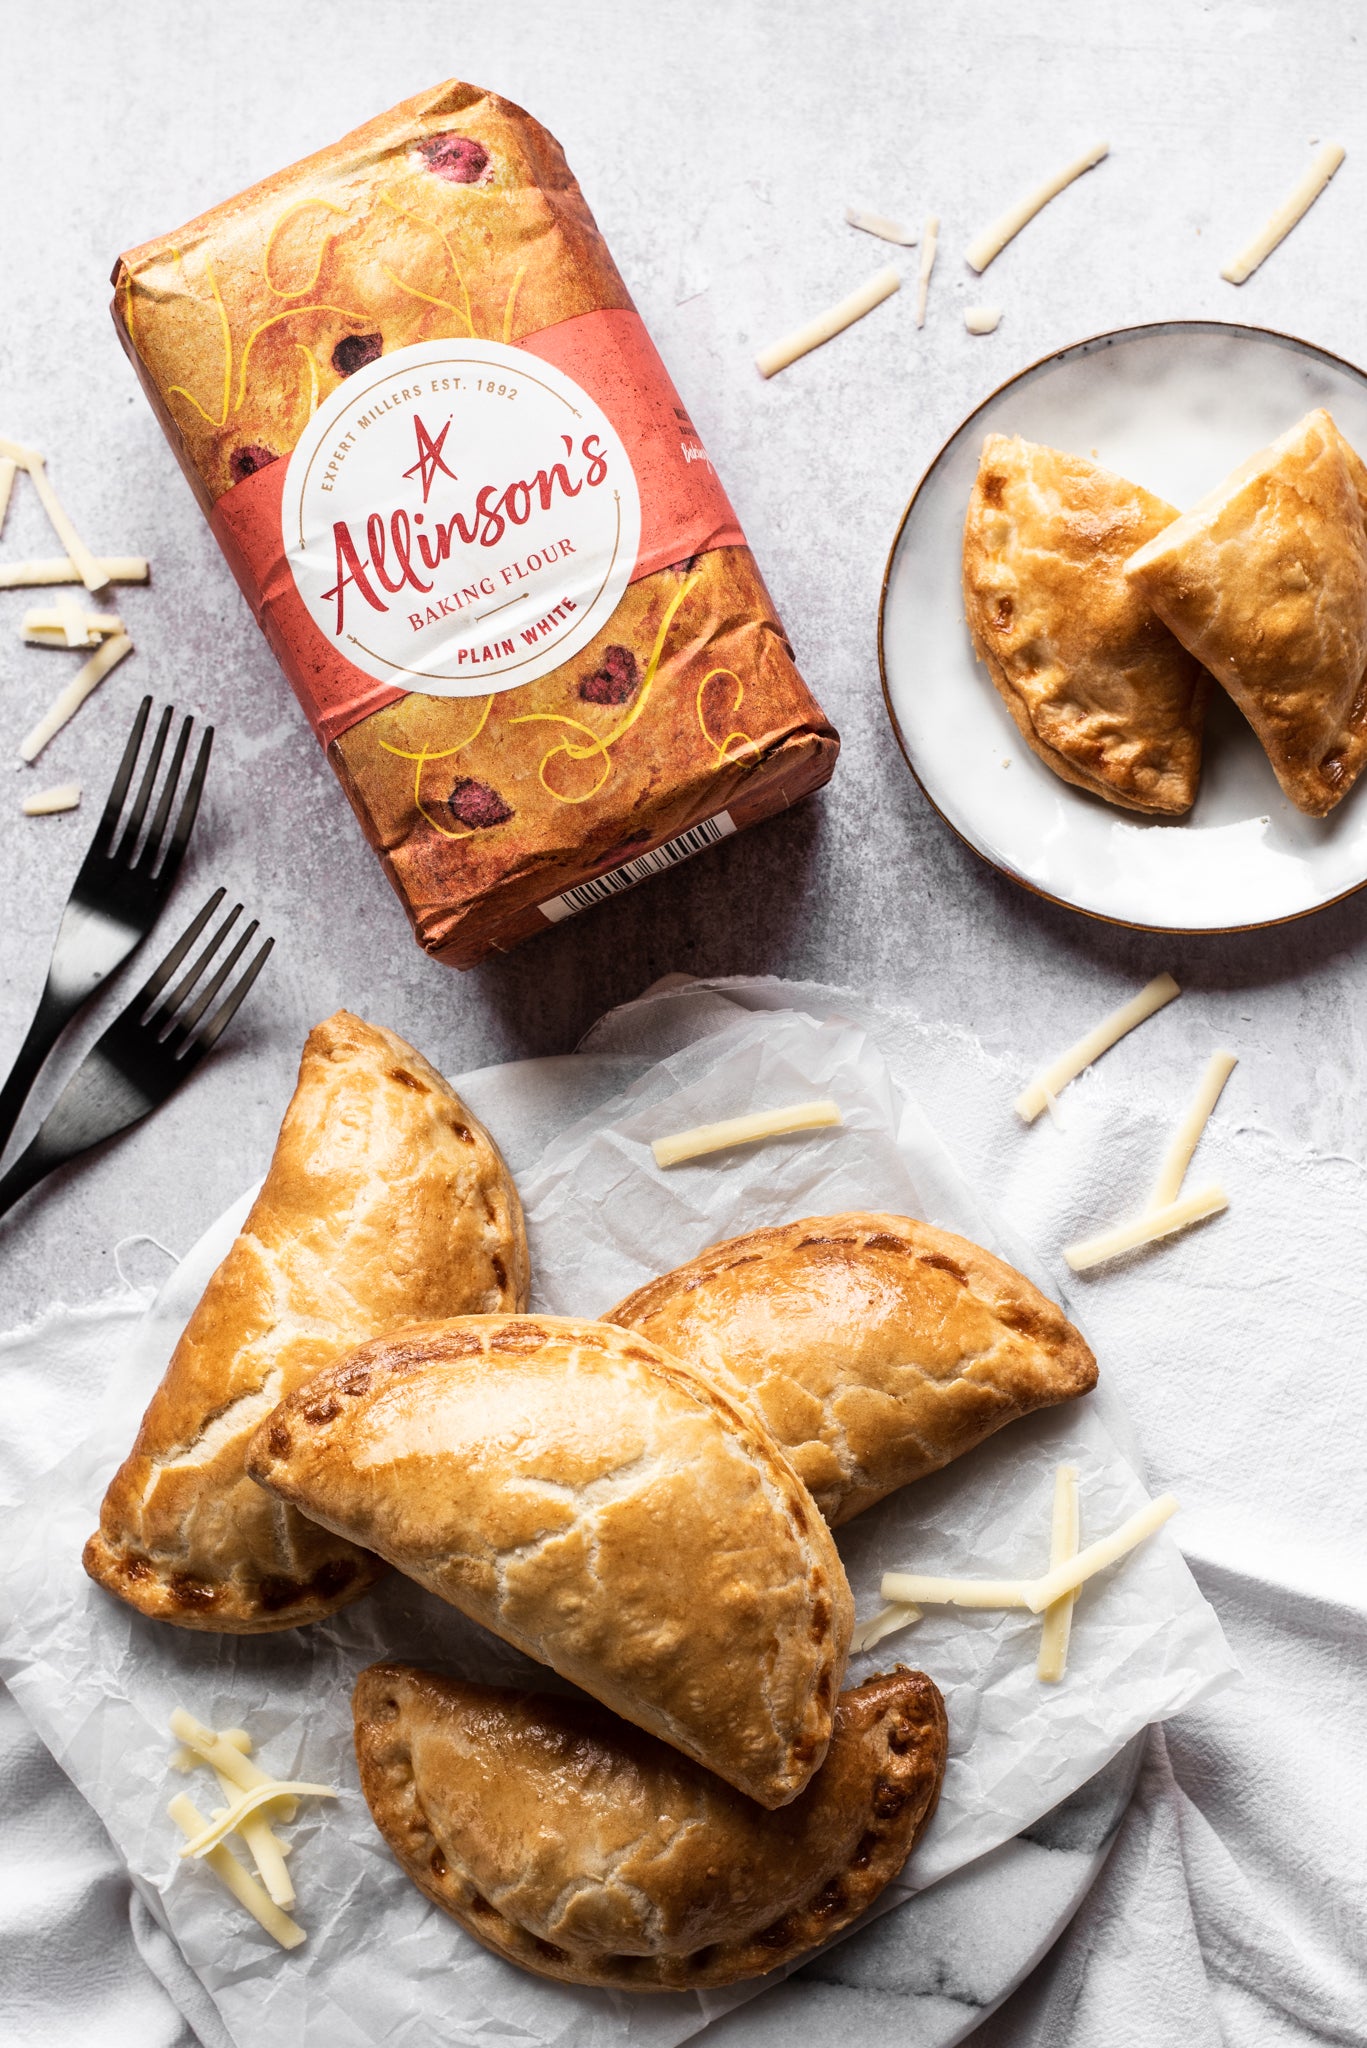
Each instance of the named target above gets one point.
<point>586,894</point>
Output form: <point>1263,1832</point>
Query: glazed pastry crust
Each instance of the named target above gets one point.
<point>874,1348</point>
<point>601,1507</point>
<point>1265,580</point>
<point>1097,685</point>
<point>577,1847</point>
<point>385,1202</point>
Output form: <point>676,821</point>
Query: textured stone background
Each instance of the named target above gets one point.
<point>718,144</point>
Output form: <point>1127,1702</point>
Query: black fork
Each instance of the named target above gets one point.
<point>116,898</point>
<point>149,1049</point>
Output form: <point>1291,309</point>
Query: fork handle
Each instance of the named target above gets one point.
<point>53,1014</point>
<point>28,1169</point>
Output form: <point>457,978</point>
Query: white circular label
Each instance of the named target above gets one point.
<point>460,517</point>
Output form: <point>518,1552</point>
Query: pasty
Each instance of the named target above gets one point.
<point>874,1348</point>
<point>385,1203</point>
<point>572,1844</point>
<point>600,1506</point>
<point>1265,580</point>
<point>1099,688</point>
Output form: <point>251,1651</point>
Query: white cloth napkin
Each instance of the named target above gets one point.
<point>1232,1908</point>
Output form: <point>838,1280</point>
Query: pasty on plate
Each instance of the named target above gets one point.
<point>1099,688</point>
<point>1265,580</point>
<point>385,1203</point>
<point>601,1507</point>
<point>572,1844</point>
<point>874,1348</point>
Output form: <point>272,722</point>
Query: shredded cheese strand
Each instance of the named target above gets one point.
<point>993,240</point>
<point>878,224</point>
<point>1051,1080</point>
<point>46,628</point>
<point>886,1622</point>
<point>227,1821</point>
<point>745,1130</point>
<point>915,1589</point>
<point>1187,1136</point>
<point>826,325</point>
<point>46,803</point>
<point>1292,210</point>
<point>1107,1550</point>
<point>236,1877</point>
<point>1145,1229</point>
<point>86,564</point>
<point>267,1850</point>
<point>982,319</point>
<point>225,1753</point>
<point>61,569</point>
<point>930,242</point>
<point>9,469</point>
<point>68,702</point>
<point>1064,1537</point>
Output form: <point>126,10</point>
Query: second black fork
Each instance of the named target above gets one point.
<point>116,897</point>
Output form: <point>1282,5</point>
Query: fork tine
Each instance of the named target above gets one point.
<point>161,1018</point>
<point>185,1025</point>
<point>119,791</point>
<point>189,809</point>
<point>149,776</point>
<point>152,846</point>
<point>158,979</point>
<point>228,1009</point>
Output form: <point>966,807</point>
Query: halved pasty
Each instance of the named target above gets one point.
<point>874,1348</point>
<point>1099,688</point>
<point>1265,580</point>
<point>385,1203</point>
<point>573,1844</point>
<point>598,1505</point>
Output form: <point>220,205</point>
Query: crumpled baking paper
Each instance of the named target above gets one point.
<point>380,1964</point>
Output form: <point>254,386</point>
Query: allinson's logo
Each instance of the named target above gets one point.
<point>429,457</point>
<point>461,520</point>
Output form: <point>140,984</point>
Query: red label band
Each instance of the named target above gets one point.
<point>684,510</point>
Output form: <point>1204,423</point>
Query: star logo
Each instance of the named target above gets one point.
<point>430,457</point>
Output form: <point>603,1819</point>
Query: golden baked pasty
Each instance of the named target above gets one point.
<point>874,1348</point>
<point>1099,688</point>
<point>601,1507</point>
<point>573,1844</point>
<point>1265,580</point>
<point>386,1202</point>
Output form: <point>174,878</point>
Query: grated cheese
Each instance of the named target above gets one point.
<point>916,1589</point>
<point>225,1822</point>
<point>68,702</point>
<point>1063,1545</point>
<point>1056,1076</point>
<point>886,1622</point>
<point>1036,1594</point>
<point>1155,1223</point>
<point>9,469</point>
<point>86,564</point>
<point>236,1877</point>
<point>825,325</point>
<point>225,1753</point>
<point>1187,1136</point>
<point>71,618</point>
<point>982,319</point>
<point>879,224</point>
<point>45,628</point>
<point>930,241</point>
<point>745,1130</point>
<point>994,239</point>
<point>61,569</point>
<point>1293,209</point>
<point>45,803</point>
<point>1108,1550</point>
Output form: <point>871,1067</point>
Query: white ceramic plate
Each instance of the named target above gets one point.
<point>1173,406</point>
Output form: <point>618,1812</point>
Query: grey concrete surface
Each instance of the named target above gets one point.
<point>718,144</point>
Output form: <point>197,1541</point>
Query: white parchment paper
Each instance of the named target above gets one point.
<point>380,1964</point>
